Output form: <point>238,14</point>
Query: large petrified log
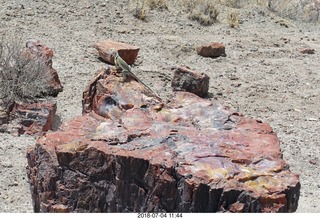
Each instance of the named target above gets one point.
<point>134,154</point>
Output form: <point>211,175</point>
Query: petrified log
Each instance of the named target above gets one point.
<point>27,118</point>
<point>185,79</point>
<point>37,116</point>
<point>36,48</point>
<point>128,52</point>
<point>188,155</point>
<point>212,50</point>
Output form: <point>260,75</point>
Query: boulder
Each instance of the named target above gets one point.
<point>185,79</point>
<point>130,153</point>
<point>212,50</point>
<point>127,52</point>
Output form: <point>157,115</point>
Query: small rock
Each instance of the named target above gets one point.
<point>253,49</point>
<point>307,51</point>
<point>313,161</point>
<point>312,119</point>
<point>185,79</point>
<point>15,183</point>
<point>211,50</point>
<point>6,165</point>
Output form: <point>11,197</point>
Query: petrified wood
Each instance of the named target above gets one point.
<point>134,154</point>
<point>128,52</point>
<point>33,117</point>
<point>185,79</point>
<point>27,118</point>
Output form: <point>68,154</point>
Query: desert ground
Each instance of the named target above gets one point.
<point>264,75</point>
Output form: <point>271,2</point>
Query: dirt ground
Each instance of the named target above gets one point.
<point>263,75</point>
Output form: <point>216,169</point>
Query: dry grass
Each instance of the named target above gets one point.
<point>22,77</point>
<point>233,19</point>
<point>207,11</point>
<point>157,4</point>
<point>203,11</point>
<point>230,3</point>
<point>141,8</point>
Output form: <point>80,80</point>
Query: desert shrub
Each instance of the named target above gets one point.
<point>23,76</point>
<point>233,19</point>
<point>305,10</point>
<point>203,11</point>
<point>141,8</point>
<point>157,4</point>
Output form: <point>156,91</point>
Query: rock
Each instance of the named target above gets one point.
<point>211,50</point>
<point>6,107</point>
<point>189,155</point>
<point>26,118</point>
<point>307,51</point>
<point>185,79</point>
<point>34,48</point>
<point>108,97</point>
<point>34,118</point>
<point>127,52</point>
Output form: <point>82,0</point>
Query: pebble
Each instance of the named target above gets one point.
<point>6,165</point>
